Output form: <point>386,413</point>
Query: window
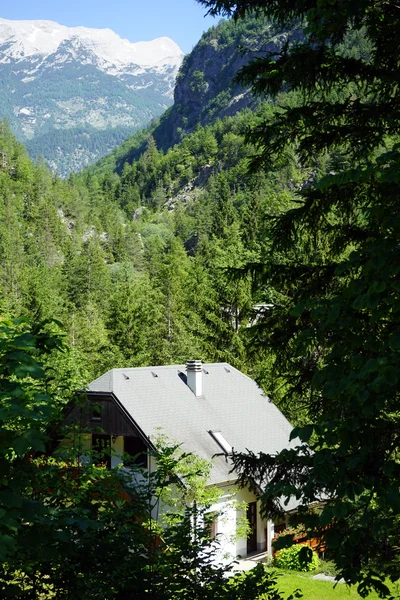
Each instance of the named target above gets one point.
<point>136,450</point>
<point>96,412</point>
<point>96,415</point>
<point>221,441</point>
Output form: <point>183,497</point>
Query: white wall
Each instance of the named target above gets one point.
<point>117,450</point>
<point>231,546</point>
<point>226,525</point>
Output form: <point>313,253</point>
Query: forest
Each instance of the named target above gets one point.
<point>140,267</point>
<point>267,239</point>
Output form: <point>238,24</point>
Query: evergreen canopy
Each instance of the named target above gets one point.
<point>335,328</point>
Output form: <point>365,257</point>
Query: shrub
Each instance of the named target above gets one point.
<point>328,567</point>
<point>297,558</point>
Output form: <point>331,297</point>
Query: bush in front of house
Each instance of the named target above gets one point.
<point>299,557</point>
<point>328,567</point>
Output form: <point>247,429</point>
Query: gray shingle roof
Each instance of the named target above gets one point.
<point>232,403</point>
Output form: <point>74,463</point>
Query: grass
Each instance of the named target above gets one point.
<point>314,589</point>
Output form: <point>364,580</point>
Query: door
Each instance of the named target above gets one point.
<point>251,515</point>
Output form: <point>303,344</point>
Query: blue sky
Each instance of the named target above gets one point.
<point>136,20</point>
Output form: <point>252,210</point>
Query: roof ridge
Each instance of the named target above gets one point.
<point>174,366</point>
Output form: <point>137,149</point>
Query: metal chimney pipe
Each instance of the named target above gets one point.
<point>195,377</point>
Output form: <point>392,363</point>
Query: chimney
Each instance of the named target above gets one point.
<point>194,377</point>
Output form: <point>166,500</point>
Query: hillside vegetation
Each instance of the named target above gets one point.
<point>141,256</point>
<point>138,266</point>
<point>266,237</point>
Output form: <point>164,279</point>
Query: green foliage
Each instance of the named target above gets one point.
<point>334,314</point>
<point>26,411</point>
<point>72,529</point>
<point>328,567</point>
<point>198,84</point>
<point>297,558</point>
<point>135,265</point>
<point>191,477</point>
<point>162,252</point>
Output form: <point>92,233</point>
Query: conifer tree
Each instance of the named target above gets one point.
<point>334,326</point>
<point>167,265</point>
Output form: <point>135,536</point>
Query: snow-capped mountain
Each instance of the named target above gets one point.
<point>72,93</point>
<point>42,38</point>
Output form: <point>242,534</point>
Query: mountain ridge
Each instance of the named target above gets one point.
<point>54,80</point>
<point>42,37</point>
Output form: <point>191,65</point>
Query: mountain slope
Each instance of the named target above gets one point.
<point>204,89</point>
<point>57,79</point>
<point>133,255</point>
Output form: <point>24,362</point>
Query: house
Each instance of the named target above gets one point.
<point>210,409</point>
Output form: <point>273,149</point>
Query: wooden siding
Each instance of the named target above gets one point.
<point>102,415</point>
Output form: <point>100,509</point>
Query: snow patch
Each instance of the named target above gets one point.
<point>141,87</point>
<point>29,38</point>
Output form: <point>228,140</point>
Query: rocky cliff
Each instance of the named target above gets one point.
<point>205,88</point>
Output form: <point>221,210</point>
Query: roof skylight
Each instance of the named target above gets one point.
<point>221,441</point>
